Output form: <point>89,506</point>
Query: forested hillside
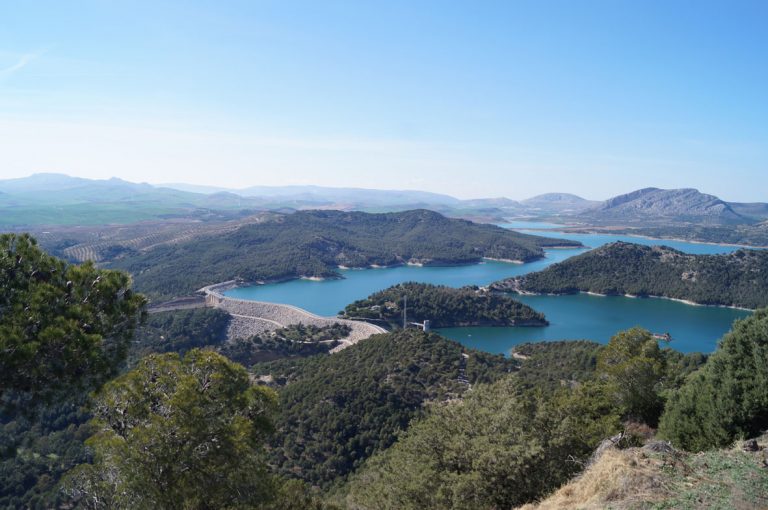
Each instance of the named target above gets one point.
<point>444,307</point>
<point>517,439</point>
<point>315,243</point>
<point>292,341</point>
<point>500,447</point>
<point>179,331</point>
<point>552,364</point>
<point>336,411</point>
<point>401,420</point>
<point>735,279</point>
<point>35,451</point>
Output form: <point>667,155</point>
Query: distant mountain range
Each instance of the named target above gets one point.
<point>645,205</point>
<point>57,199</point>
<point>326,195</point>
<point>549,203</point>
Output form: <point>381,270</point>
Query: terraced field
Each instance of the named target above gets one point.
<point>105,243</point>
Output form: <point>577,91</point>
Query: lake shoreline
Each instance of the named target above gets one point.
<point>631,296</point>
<point>694,328</point>
<point>591,231</point>
<point>234,284</point>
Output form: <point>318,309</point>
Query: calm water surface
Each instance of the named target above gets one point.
<point>693,328</point>
<point>581,316</point>
<point>595,240</point>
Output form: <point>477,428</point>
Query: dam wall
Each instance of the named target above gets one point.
<point>256,317</point>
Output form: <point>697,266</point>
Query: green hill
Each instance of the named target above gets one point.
<point>444,307</point>
<point>315,243</point>
<point>338,410</point>
<point>735,279</point>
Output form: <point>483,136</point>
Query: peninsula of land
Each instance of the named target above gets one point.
<point>737,279</point>
<point>313,244</point>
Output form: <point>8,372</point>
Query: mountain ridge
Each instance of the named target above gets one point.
<point>655,204</point>
<point>59,199</point>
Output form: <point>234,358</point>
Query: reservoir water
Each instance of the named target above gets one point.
<point>693,328</point>
<point>595,240</point>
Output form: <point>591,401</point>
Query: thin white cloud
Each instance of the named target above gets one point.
<point>22,62</point>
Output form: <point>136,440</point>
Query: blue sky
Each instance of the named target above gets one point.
<point>472,98</point>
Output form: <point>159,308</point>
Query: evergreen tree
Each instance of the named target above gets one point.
<point>633,366</point>
<point>500,447</point>
<point>63,327</point>
<point>178,433</point>
<point>727,399</point>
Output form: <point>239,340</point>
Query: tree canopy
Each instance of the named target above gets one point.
<point>178,433</point>
<point>727,398</point>
<point>500,447</point>
<point>734,279</point>
<point>63,327</point>
<point>315,243</point>
<point>444,307</point>
<point>633,366</point>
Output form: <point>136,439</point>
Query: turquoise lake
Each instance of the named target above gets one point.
<point>693,328</point>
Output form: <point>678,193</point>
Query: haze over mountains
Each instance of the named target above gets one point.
<point>57,199</point>
<point>562,203</point>
<point>322,194</point>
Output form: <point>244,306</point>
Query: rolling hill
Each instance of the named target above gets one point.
<point>444,307</point>
<point>557,204</point>
<point>60,200</point>
<point>315,243</point>
<point>735,279</point>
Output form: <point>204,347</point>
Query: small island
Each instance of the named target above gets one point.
<point>737,279</point>
<point>443,307</point>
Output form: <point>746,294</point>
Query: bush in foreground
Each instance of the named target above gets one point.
<point>727,399</point>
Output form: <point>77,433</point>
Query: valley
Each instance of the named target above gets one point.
<point>399,255</point>
<point>349,388</point>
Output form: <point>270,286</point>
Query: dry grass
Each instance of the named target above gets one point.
<point>640,478</point>
<point>618,479</point>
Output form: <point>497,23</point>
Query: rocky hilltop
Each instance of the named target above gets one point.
<point>654,204</point>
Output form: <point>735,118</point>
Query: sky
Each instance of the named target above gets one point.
<point>470,98</point>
